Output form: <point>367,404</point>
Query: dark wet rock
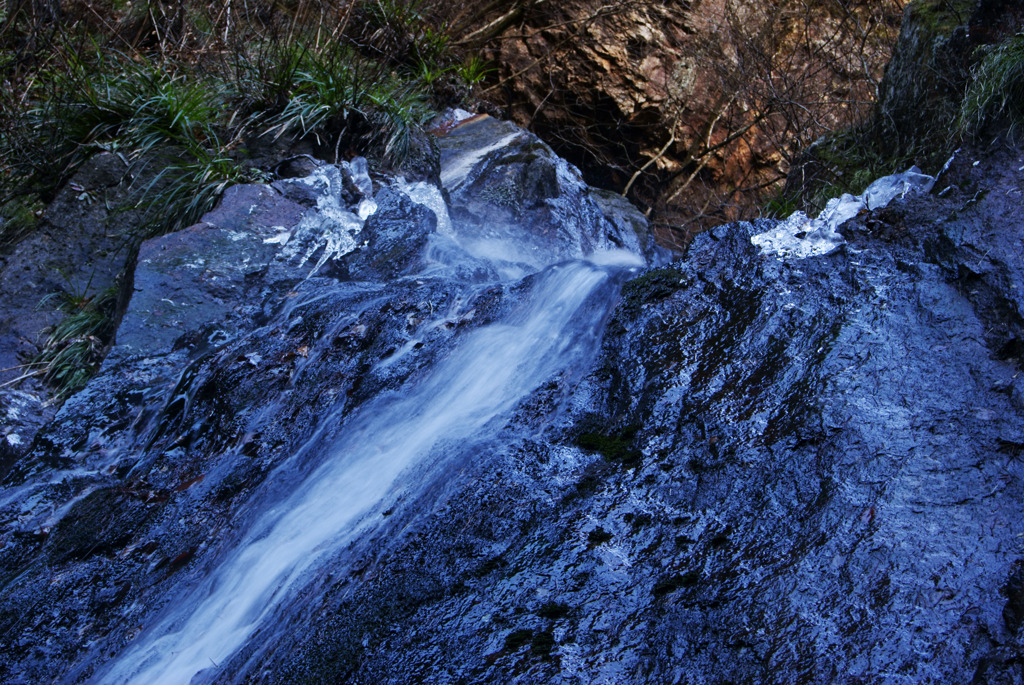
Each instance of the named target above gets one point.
<point>752,470</point>
<point>102,522</point>
<point>195,276</point>
<point>524,194</point>
<point>298,166</point>
<point>1013,590</point>
<point>237,345</point>
<point>622,212</point>
<point>81,249</point>
<point>254,208</point>
<point>394,238</point>
<point>827,488</point>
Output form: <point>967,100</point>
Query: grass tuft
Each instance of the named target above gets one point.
<point>475,69</point>
<point>75,345</point>
<point>180,194</point>
<point>995,94</point>
<point>338,97</point>
<point>186,88</point>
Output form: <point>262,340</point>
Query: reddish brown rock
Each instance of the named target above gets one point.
<point>694,108</point>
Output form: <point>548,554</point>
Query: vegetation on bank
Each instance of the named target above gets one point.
<point>197,89</point>
<point>945,89</point>
<point>994,101</point>
<point>73,351</point>
<point>187,93</point>
<point>195,97</point>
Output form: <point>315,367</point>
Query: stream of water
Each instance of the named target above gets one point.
<point>396,442</point>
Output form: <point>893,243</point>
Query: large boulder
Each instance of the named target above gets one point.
<point>735,467</point>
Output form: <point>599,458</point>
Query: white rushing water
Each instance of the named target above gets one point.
<point>464,398</point>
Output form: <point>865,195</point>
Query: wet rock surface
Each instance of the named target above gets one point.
<point>240,348</point>
<point>750,470</point>
<point>530,201</point>
<point>803,471</point>
<point>46,268</point>
<point>395,239</point>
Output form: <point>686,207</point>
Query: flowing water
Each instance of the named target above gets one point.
<point>391,449</point>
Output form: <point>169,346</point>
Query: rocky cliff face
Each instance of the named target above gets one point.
<point>478,429</point>
<point>705,103</point>
<point>751,469</point>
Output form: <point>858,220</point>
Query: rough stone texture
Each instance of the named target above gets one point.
<point>804,471</point>
<point>793,472</point>
<point>613,86</point>
<point>395,238</point>
<point>79,250</point>
<point>523,194</point>
<point>197,274</point>
<point>162,459</point>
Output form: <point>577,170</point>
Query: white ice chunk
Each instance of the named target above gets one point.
<point>886,189</point>
<point>799,236</point>
<point>361,175</point>
<point>367,206</point>
<point>330,226</point>
<point>430,197</point>
<point>283,234</point>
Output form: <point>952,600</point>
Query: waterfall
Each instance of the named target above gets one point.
<point>392,448</point>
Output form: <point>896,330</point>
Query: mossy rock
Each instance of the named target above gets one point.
<point>652,286</point>
<point>615,447</point>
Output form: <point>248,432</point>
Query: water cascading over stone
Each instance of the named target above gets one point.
<point>317,358</point>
